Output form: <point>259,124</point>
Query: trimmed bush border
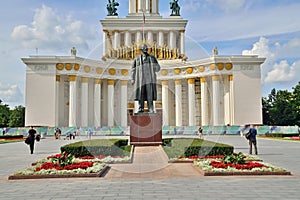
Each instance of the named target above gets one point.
<point>110,147</point>
<point>99,174</point>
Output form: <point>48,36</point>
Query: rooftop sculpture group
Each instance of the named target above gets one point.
<point>112,8</point>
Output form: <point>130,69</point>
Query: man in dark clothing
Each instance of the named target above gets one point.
<point>252,139</point>
<point>143,77</point>
<point>31,135</point>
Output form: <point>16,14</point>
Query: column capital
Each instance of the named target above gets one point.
<point>203,80</point>
<point>110,82</point>
<point>57,78</point>
<point>164,82</point>
<point>97,81</point>
<point>215,78</point>
<point>191,81</point>
<point>230,77</point>
<point>84,79</point>
<point>178,82</point>
<point>72,78</point>
<point>124,82</point>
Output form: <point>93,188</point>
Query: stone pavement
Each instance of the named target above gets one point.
<point>165,182</point>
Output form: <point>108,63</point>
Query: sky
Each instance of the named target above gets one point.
<point>267,28</point>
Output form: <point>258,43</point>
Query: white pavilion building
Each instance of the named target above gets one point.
<point>80,92</point>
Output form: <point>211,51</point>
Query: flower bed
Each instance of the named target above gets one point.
<point>62,166</point>
<point>236,165</point>
<point>191,159</point>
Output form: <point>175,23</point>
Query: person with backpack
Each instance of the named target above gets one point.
<point>252,139</point>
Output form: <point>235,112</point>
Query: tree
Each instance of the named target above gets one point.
<point>282,112</point>
<point>296,102</point>
<point>17,117</point>
<point>4,114</point>
<point>282,107</point>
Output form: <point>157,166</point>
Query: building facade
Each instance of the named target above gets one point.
<point>81,92</point>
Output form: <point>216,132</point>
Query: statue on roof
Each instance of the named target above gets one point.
<point>174,6</point>
<point>112,8</point>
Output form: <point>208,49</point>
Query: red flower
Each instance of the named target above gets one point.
<point>247,166</point>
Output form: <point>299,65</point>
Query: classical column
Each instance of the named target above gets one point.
<point>124,103</point>
<point>172,38</point>
<point>97,103</point>
<point>73,100</point>
<point>204,102</point>
<point>154,6</point>
<point>165,102</point>
<point>116,39</point>
<point>150,36</point>
<point>160,38</point>
<point>128,39</point>
<point>110,101</point>
<point>136,107</point>
<point>191,99</point>
<point>231,99</point>
<point>182,42</point>
<point>105,47</point>
<point>227,110</point>
<point>147,6</point>
<point>178,102</point>
<point>57,84</point>
<point>84,101</point>
<point>132,7</point>
<point>140,8</point>
<point>139,37</point>
<point>216,100</point>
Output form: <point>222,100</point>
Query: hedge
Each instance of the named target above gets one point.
<point>111,147</point>
<point>178,147</point>
<point>282,134</point>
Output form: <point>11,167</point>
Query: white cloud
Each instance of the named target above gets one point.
<point>283,72</point>
<point>260,48</point>
<point>51,30</point>
<point>290,49</point>
<point>10,94</point>
<point>277,72</point>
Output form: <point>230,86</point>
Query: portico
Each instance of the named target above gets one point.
<point>82,92</point>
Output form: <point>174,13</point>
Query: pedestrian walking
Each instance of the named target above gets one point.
<point>31,135</point>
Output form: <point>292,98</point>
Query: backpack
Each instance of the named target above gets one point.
<point>247,136</point>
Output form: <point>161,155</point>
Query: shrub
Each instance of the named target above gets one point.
<point>281,134</point>
<point>180,147</point>
<point>112,147</point>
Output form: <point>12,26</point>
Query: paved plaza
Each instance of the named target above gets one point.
<point>152,177</point>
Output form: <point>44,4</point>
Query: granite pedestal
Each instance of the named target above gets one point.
<point>146,129</point>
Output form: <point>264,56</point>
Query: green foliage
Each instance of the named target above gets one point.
<point>282,107</point>
<point>64,159</point>
<point>17,117</point>
<point>4,114</point>
<point>234,158</point>
<point>112,147</point>
<point>11,118</point>
<point>184,147</point>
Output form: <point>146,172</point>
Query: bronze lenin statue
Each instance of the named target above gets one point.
<point>143,77</point>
